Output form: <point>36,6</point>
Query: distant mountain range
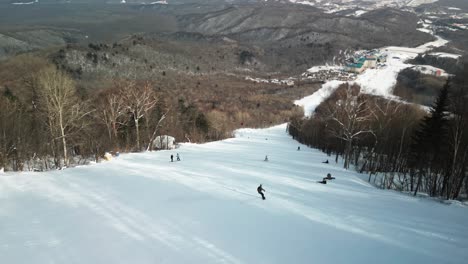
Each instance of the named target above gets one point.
<point>318,3</point>
<point>376,3</point>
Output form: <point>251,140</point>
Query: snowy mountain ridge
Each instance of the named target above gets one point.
<point>361,6</point>
<point>362,3</point>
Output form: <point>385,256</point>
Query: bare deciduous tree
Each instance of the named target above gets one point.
<point>111,112</point>
<point>349,118</point>
<point>155,131</point>
<point>62,108</point>
<point>139,100</point>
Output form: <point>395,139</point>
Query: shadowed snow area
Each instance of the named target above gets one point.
<point>142,208</point>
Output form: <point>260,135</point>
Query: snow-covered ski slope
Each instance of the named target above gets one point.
<point>141,208</point>
<point>379,81</point>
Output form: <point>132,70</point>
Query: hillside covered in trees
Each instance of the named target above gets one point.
<point>49,121</point>
<point>399,145</point>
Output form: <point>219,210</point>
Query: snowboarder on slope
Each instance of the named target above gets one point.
<point>260,190</point>
<point>178,158</point>
<point>329,177</point>
<point>172,158</point>
<point>324,181</point>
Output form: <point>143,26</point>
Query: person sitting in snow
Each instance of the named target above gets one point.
<point>329,177</point>
<point>325,161</point>
<point>178,158</point>
<point>260,190</point>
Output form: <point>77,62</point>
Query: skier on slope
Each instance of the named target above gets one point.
<point>260,190</point>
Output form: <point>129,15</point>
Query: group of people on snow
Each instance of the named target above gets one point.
<point>260,189</point>
<point>177,157</point>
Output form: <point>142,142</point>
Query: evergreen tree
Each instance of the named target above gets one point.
<point>429,140</point>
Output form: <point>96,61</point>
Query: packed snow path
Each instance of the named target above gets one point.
<point>142,208</point>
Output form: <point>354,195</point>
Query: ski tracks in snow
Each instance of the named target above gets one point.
<point>80,194</point>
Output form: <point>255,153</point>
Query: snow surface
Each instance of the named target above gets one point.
<point>163,2</point>
<point>25,3</point>
<point>425,30</point>
<point>311,102</point>
<point>439,42</point>
<point>445,55</point>
<point>360,12</point>
<point>288,82</point>
<point>349,4</point>
<point>141,208</point>
<point>416,3</point>
<point>315,69</point>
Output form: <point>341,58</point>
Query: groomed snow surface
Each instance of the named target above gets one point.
<point>311,102</point>
<point>142,208</point>
<point>445,55</point>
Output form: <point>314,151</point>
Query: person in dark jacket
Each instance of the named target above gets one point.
<point>329,177</point>
<point>172,158</point>
<point>260,190</point>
